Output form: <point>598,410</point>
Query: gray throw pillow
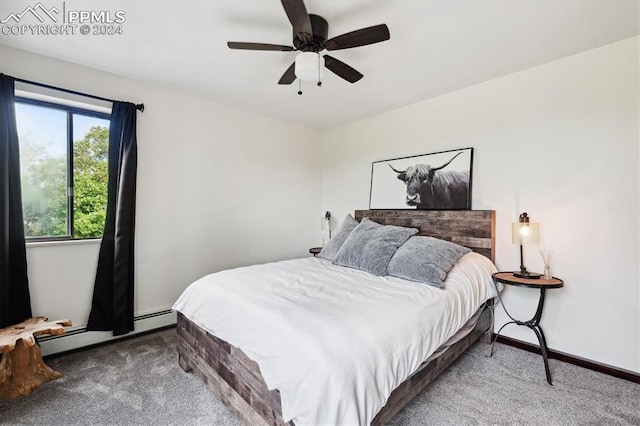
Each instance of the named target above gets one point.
<point>426,260</point>
<point>371,245</point>
<point>330,250</point>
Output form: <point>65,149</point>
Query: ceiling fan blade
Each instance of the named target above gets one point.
<point>298,16</point>
<point>341,69</point>
<point>258,46</point>
<point>361,37</point>
<point>289,75</point>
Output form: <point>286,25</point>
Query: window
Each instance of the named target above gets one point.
<point>64,169</point>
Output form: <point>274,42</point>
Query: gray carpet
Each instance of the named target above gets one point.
<point>139,382</point>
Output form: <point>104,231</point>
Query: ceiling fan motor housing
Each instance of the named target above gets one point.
<point>314,42</point>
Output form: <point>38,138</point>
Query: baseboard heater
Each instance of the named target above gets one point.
<point>79,337</point>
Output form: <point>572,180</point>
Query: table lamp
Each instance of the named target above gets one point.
<point>325,228</point>
<point>525,233</point>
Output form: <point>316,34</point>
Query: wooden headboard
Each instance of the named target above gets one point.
<point>470,228</point>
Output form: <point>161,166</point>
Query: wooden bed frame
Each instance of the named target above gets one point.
<point>236,379</point>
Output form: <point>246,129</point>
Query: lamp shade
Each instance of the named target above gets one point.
<point>309,66</point>
<point>527,233</point>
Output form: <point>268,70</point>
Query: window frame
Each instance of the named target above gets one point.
<point>70,111</point>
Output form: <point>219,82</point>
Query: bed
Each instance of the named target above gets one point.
<point>237,379</point>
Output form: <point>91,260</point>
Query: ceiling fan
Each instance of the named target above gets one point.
<point>310,34</point>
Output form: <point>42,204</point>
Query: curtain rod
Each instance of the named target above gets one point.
<point>139,107</point>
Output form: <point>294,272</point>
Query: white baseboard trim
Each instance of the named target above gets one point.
<point>77,338</point>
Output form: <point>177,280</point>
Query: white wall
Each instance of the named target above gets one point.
<point>559,141</point>
<point>217,188</point>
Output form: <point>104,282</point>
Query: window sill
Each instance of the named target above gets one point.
<point>30,244</point>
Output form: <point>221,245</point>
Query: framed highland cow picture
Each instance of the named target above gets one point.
<point>437,181</point>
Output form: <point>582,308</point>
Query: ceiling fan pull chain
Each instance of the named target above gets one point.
<point>319,71</point>
<point>299,87</point>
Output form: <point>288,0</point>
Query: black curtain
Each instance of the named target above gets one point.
<point>112,304</point>
<point>15,302</point>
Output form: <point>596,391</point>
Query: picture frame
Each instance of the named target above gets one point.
<point>436,181</point>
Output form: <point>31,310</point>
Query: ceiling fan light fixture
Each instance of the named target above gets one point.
<point>309,66</point>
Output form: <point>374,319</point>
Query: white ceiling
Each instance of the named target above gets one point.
<point>435,47</point>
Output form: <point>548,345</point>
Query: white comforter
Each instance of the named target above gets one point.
<point>334,341</point>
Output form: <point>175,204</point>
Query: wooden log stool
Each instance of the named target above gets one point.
<point>22,368</point>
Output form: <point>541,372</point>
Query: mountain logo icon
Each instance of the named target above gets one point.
<point>38,11</point>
